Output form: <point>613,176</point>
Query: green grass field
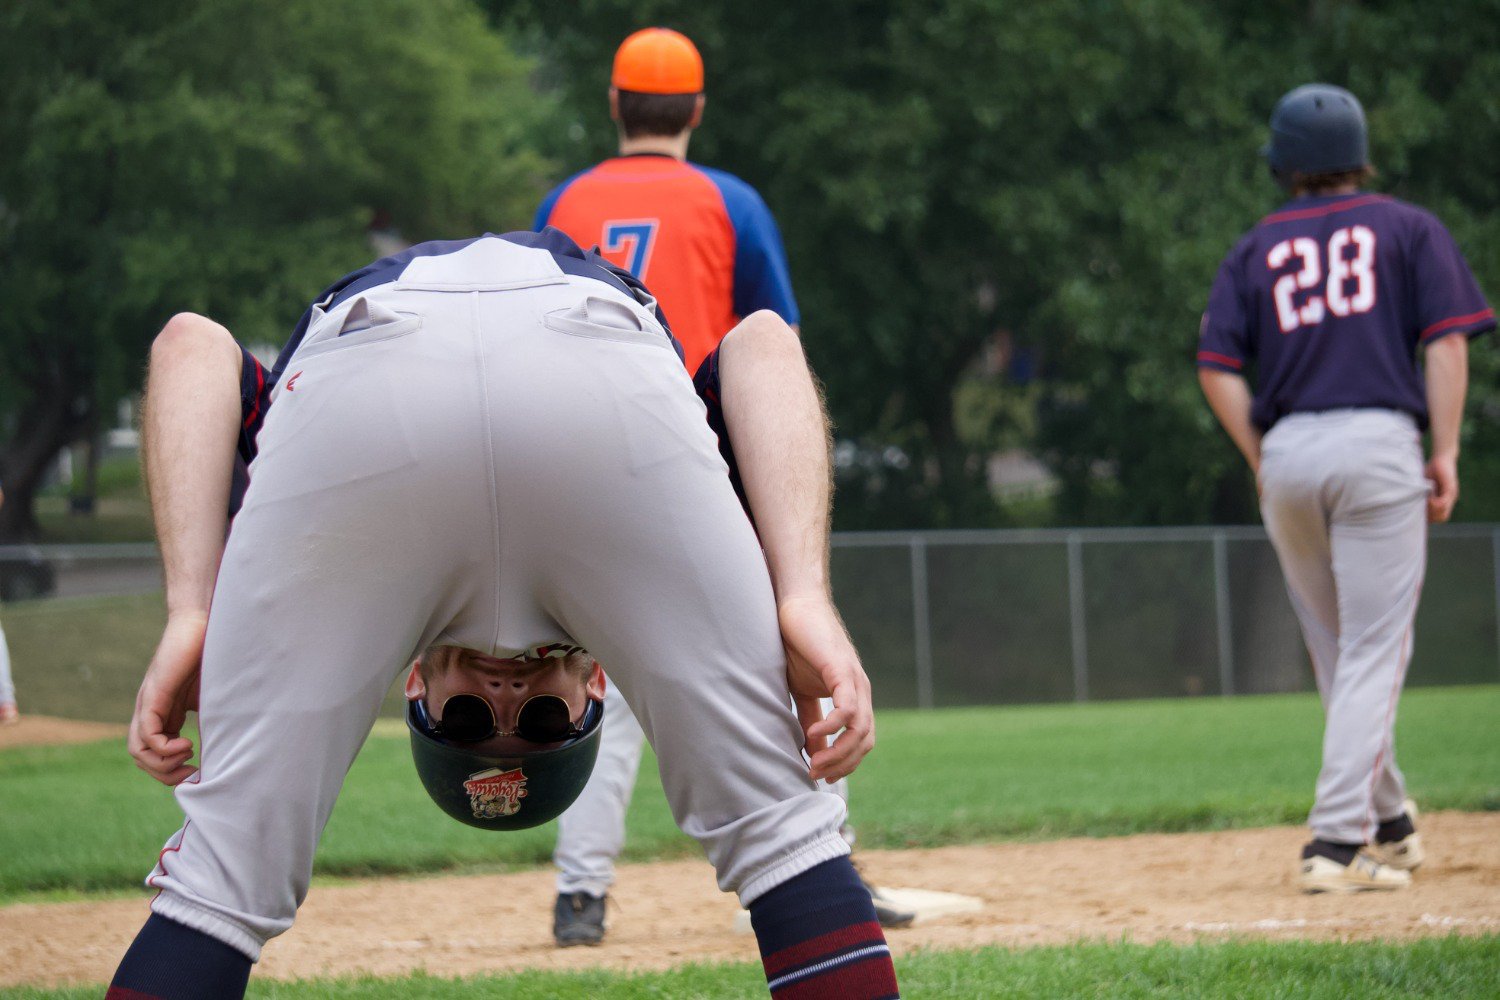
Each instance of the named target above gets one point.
<point>83,657</point>
<point>82,819</point>
<point>1437,968</point>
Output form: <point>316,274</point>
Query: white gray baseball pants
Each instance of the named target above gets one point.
<point>7,686</point>
<point>1344,500</point>
<point>591,833</point>
<point>494,455</point>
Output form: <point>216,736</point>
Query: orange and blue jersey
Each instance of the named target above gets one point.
<point>701,240</point>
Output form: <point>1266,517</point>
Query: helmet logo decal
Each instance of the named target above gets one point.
<point>495,793</point>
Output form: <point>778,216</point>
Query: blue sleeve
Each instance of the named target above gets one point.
<point>544,210</point>
<point>707,383</point>
<point>1223,336</point>
<point>762,279</point>
<point>1448,299</point>
<point>255,397</point>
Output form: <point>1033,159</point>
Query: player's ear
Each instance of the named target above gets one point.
<point>697,118</point>
<point>614,104</point>
<point>597,683</point>
<point>415,686</point>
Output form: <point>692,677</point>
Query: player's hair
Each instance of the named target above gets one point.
<point>655,114</point>
<point>1319,183</point>
<point>438,660</point>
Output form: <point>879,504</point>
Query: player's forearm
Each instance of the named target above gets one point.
<point>190,425</point>
<point>776,420</point>
<point>1229,397</point>
<point>1447,375</point>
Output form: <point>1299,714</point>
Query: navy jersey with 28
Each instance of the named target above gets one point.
<point>1329,298</point>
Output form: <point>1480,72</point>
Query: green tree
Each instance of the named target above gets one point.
<point>1123,401</point>
<point>943,173</point>
<point>1067,173</point>
<point>228,157</point>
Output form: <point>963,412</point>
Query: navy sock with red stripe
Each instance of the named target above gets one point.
<point>819,938</point>
<point>1332,850</point>
<point>1396,829</point>
<point>170,961</point>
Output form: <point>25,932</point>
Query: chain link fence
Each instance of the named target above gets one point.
<point>943,618</point>
<point>949,618</point>
<point>39,572</point>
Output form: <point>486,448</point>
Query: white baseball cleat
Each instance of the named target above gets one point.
<point>1363,874</point>
<point>1405,854</point>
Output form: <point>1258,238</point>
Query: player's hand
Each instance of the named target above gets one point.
<point>822,663</point>
<point>1442,470</point>
<point>168,693</point>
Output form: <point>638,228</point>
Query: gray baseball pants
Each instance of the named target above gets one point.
<point>7,686</point>
<point>493,455</point>
<point>1344,500</point>
<point>591,833</point>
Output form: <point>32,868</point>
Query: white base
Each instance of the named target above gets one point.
<point>928,904</point>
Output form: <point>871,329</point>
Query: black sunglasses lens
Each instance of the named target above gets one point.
<point>467,717</point>
<point>544,719</point>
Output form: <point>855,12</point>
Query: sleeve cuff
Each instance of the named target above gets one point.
<point>1472,324</point>
<point>1219,362</point>
<point>252,389</point>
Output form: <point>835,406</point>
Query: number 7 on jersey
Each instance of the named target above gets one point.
<point>633,237</point>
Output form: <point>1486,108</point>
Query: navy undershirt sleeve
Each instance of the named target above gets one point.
<point>707,382</point>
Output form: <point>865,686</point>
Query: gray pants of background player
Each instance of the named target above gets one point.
<point>499,456</point>
<point>591,833</point>
<point>1344,501</point>
<point>7,687</point>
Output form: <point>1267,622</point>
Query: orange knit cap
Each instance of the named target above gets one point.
<point>658,61</point>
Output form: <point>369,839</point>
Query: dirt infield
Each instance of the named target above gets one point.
<point>1172,887</point>
<point>44,730</point>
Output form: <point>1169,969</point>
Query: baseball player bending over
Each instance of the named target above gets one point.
<point>1328,299</point>
<point>492,444</point>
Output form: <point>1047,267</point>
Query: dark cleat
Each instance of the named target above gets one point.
<point>578,919</point>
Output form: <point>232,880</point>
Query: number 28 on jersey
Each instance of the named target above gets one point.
<point>1347,287</point>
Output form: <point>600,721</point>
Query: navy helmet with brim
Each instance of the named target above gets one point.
<point>510,791</point>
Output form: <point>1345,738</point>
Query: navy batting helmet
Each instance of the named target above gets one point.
<point>504,793</point>
<point>1317,129</point>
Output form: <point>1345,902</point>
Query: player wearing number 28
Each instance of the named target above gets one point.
<point>1327,302</point>
<point>702,240</point>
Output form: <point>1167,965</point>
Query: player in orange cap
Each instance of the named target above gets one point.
<point>707,247</point>
<point>702,240</point>
<point>658,61</point>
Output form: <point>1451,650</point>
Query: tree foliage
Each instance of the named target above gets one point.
<point>949,175</point>
<point>1069,174</point>
<point>228,157</point>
